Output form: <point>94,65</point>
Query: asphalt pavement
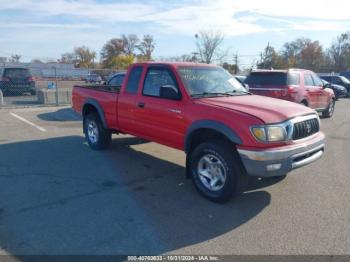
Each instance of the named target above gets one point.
<point>57,196</point>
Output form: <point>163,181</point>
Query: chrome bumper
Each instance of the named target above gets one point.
<point>280,161</point>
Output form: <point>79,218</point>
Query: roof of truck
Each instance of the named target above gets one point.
<point>176,64</point>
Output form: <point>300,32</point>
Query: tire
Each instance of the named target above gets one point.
<point>217,160</point>
<point>328,113</point>
<point>96,135</point>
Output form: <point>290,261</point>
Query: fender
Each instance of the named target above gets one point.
<point>213,125</point>
<point>99,109</point>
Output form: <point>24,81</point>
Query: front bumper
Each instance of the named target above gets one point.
<point>280,161</point>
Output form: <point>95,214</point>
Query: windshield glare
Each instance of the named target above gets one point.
<point>345,80</point>
<point>209,80</point>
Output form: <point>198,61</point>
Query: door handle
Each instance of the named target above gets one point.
<point>141,104</point>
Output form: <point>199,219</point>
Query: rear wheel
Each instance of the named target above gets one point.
<point>96,135</point>
<point>216,170</point>
<point>328,112</point>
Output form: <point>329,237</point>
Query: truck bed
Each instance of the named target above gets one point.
<point>105,96</point>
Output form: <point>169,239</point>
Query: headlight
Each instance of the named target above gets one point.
<point>269,133</point>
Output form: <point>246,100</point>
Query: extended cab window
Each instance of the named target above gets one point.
<point>155,79</point>
<point>133,80</point>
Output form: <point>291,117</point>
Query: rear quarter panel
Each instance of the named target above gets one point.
<point>106,99</point>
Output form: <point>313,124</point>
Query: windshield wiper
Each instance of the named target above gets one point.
<point>228,93</point>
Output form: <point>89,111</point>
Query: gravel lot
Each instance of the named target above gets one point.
<point>59,197</point>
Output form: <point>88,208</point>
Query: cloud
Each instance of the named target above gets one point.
<point>45,25</point>
<point>74,22</point>
<point>191,16</point>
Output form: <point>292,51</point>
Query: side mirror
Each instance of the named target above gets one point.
<point>169,92</point>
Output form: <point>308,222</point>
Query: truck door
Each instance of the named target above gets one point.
<point>161,119</point>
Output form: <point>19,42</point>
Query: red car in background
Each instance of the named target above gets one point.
<point>296,85</point>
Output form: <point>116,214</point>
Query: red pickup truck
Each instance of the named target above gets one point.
<point>226,132</point>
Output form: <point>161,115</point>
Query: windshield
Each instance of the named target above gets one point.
<point>345,80</point>
<point>209,81</point>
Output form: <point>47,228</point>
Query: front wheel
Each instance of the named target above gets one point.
<point>96,135</point>
<point>328,112</point>
<point>216,170</point>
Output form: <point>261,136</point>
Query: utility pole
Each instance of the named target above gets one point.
<point>56,93</point>
<point>236,63</point>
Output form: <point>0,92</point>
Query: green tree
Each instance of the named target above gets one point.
<point>121,62</point>
<point>114,47</point>
<point>304,53</point>
<point>271,59</point>
<point>84,57</point>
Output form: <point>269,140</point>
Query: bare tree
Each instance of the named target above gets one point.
<point>68,58</point>
<point>15,58</point>
<point>129,43</point>
<point>208,45</point>
<point>339,52</point>
<point>146,47</point>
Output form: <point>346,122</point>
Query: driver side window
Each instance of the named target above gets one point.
<point>155,79</point>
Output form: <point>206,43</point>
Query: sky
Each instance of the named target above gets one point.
<point>45,29</point>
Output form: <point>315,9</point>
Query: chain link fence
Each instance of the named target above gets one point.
<point>22,85</point>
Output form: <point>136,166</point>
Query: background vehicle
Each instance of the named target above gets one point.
<point>116,79</point>
<point>339,91</point>
<point>345,74</point>
<point>296,85</point>
<point>93,78</point>
<point>17,81</point>
<point>338,80</point>
<point>226,132</point>
<point>241,79</point>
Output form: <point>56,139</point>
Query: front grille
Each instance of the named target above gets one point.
<point>305,128</point>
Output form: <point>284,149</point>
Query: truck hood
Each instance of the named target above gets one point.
<point>269,110</point>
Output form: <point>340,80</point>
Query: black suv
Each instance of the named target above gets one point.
<point>338,80</point>
<point>16,81</point>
